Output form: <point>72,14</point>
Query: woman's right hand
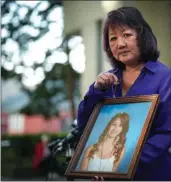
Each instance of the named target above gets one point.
<point>105,80</point>
<point>98,178</point>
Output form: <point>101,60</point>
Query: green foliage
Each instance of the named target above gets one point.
<point>17,159</point>
<point>31,140</point>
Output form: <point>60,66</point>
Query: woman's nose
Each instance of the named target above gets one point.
<point>121,43</point>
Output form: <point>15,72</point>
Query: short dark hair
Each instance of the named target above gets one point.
<point>131,17</point>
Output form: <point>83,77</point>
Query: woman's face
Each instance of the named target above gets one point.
<point>123,45</point>
<point>115,128</point>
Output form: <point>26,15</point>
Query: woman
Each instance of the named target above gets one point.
<point>113,138</point>
<point>132,51</point>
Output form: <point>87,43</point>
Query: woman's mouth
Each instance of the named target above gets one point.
<point>123,52</point>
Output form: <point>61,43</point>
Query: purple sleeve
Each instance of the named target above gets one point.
<point>160,140</point>
<point>86,106</point>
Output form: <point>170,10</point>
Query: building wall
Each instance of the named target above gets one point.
<point>158,15</point>
<point>84,16</point>
<point>23,124</point>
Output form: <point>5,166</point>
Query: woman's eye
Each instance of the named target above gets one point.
<point>127,35</point>
<point>113,38</point>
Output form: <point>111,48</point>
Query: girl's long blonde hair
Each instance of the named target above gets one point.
<point>124,117</point>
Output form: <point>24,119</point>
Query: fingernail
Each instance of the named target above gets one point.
<point>102,178</point>
<point>116,82</point>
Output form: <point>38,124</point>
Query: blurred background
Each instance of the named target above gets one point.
<point>51,51</point>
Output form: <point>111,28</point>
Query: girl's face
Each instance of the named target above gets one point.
<point>115,128</point>
<point>123,44</point>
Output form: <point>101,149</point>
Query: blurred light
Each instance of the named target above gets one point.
<point>16,58</point>
<point>19,69</point>
<point>27,28</point>
<point>74,41</point>
<point>54,29</point>
<point>77,58</point>
<point>6,19</point>
<point>28,58</point>
<point>29,82</point>
<point>35,54</point>
<point>35,19</point>
<point>57,12</point>
<point>8,65</point>
<point>48,41</point>
<point>16,22</point>
<point>32,78</point>
<point>13,7</point>
<point>39,74</point>
<point>22,12</point>
<point>11,46</point>
<point>28,72</point>
<point>75,121</point>
<point>55,43</point>
<point>58,57</point>
<point>4,32</point>
<point>43,5</point>
<point>48,67</point>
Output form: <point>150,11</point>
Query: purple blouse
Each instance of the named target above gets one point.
<point>155,78</point>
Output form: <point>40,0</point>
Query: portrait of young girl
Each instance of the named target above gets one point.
<point>108,152</point>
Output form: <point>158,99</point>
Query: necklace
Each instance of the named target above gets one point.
<point>132,82</point>
<point>134,69</point>
<point>115,84</point>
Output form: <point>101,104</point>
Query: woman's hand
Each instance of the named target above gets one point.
<point>105,80</point>
<point>98,178</point>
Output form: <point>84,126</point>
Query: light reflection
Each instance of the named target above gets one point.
<point>15,58</point>
<point>48,67</point>
<point>43,6</point>
<point>74,41</point>
<point>9,66</point>
<point>34,32</point>
<point>57,57</point>
<point>22,11</point>
<point>19,69</point>
<point>39,73</point>
<point>4,32</point>
<point>11,46</point>
<point>32,78</point>
<point>77,58</point>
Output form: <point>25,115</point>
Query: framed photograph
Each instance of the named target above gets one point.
<point>112,141</point>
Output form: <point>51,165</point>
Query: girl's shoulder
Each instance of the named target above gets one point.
<point>88,149</point>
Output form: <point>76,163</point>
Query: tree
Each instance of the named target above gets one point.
<point>58,83</point>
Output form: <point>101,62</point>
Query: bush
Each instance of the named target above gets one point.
<point>19,155</point>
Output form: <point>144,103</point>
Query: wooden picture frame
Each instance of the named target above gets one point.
<point>95,156</point>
